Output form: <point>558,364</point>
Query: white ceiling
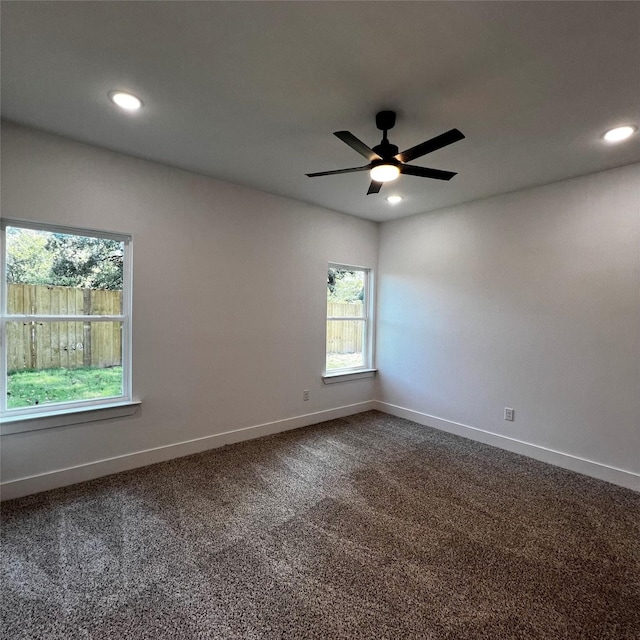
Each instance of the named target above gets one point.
<point>250,92</point>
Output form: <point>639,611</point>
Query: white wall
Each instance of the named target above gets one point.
<point>229,298</point>
<point>529,300</point>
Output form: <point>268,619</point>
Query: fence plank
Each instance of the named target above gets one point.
<point>49,345</point>
<point>344,336</point>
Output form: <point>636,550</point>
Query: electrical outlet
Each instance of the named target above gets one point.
<point>305,395</point>
<point>508,414</point>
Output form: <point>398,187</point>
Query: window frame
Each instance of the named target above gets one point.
<point>366,369</point>
<point>75,407</point>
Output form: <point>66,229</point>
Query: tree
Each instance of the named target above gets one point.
<point>345,285</point>
<point>89,263</point>
<point>63,260</point>
<point>28,260</point>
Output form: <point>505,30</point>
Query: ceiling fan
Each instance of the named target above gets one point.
<point>385,163</point>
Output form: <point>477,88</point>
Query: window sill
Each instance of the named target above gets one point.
<point>347,376</point>
<point>65,417</point>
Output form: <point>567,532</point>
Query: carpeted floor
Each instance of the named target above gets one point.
<point>365,527</point>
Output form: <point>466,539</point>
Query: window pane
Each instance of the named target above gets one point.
<point>345,344</point>
<point>62,274</point>
<point>50,362</point>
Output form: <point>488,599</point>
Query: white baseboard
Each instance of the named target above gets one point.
<point>72,475</point>
<point>623,478</point>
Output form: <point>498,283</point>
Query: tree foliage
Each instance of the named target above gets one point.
<point>28,260</point>
<point>58,259</point>
<point>344,285</point>
<point>89,263</point>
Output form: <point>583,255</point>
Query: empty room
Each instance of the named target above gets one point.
<point>320,320</point>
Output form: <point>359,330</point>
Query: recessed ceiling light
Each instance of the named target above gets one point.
<point>394,199</point>
<point>126,101</point>
<point>620,133</point>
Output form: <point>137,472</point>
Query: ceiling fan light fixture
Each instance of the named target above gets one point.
<point>126,101</point>
<point>620,133</point>
<point>384,172</point>
<point>385,163</point>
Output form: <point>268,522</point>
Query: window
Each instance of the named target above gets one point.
<point>348,327</point>
<point>65,321</point>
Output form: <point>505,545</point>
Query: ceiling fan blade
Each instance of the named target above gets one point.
<point>357,145</point>
<point>374,187</point>
<point>337,171</point>
<point>424,172</point>
<point>434,144</point>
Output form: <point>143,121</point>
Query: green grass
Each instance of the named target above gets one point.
<point>343,360</point>
<point>29,388</point>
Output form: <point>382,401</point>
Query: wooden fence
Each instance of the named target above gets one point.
<point>344,336</point>
<point>49,345</point>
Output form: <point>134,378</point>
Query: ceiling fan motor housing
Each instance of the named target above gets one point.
<point>386,151</point>
<point>385,120</point>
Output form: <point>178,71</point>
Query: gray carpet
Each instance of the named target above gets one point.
<point>365,527</point>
